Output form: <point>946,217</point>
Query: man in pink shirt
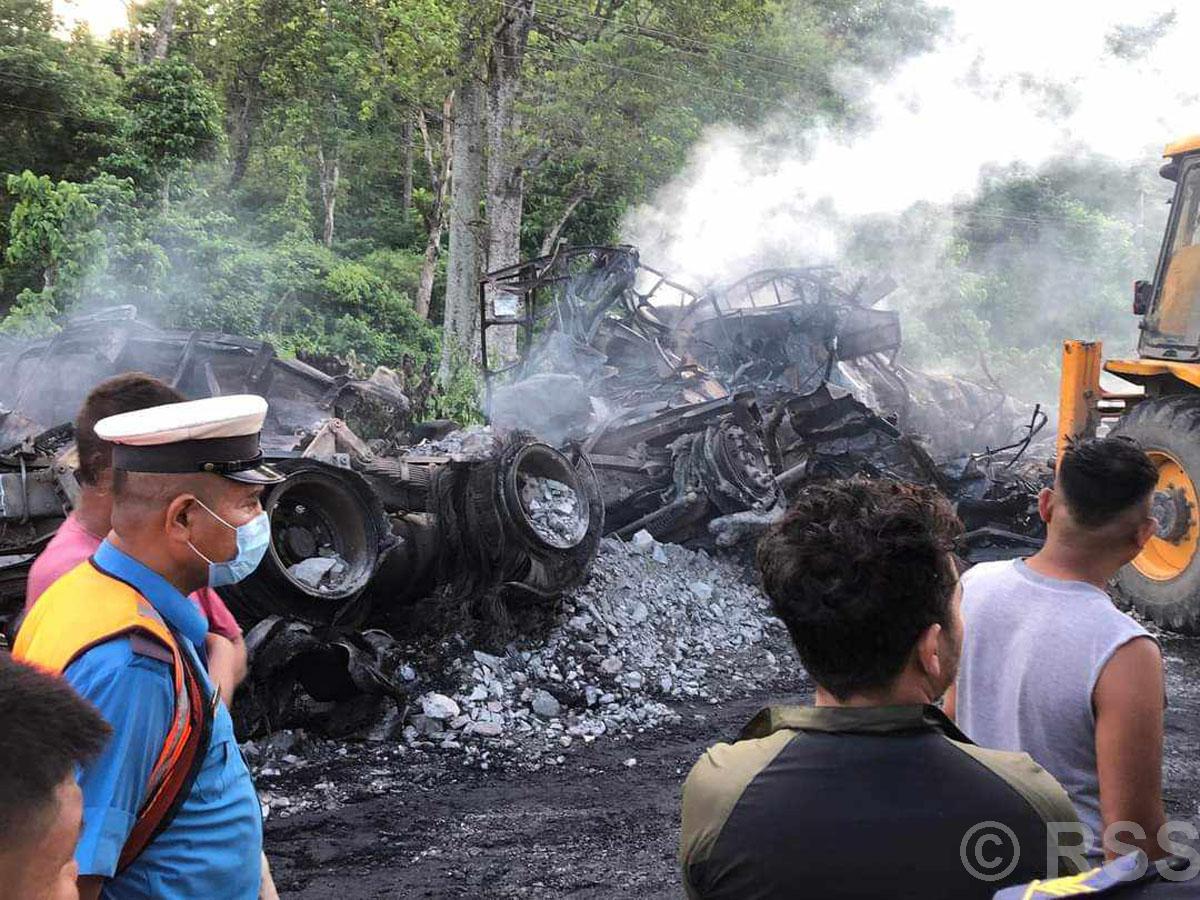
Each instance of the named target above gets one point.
<point>84,530</point>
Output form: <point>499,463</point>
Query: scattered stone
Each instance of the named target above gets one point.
<point>629,647</point>
<point>545,705</point>
<point>439,706</point>
<point>633,680</point>
<point>631,762</point>
<point>554,510</point>
<point>644,543</point>
<point>495,663</point>
<point>320,572</point>
<point>581,624</point>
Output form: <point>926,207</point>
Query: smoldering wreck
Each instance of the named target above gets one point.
<point>620,403</point>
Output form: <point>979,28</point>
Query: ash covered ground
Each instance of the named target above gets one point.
<point>551,764</point>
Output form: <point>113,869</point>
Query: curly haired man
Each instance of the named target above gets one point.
<point>872,791</point>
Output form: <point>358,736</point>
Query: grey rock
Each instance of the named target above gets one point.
<point>495,663</point>
<point>312,571</point>
<point>611,665</point>
<point>643,543</point>
<point>632,680</point>
<point>545,705</point>
<point>439,706</point>
<point>580,624</point>
<point>701,590</point>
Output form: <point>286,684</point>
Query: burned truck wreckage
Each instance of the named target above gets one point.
<point>623,404</point>
<point>702,411</point>
<point>359,527</point>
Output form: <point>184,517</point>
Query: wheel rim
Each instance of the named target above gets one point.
<point>1170,551</point>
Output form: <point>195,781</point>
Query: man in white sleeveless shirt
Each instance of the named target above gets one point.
<point>1049,666</point>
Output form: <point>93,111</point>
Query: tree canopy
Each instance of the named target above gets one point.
<point>336,175</point>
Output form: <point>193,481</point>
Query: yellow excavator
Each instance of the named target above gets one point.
<point>1164,581</point>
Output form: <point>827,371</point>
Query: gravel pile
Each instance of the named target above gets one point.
<point>472,442</point>
<point>553,509</point>
<point>655,628</point>
<point>654,625</point>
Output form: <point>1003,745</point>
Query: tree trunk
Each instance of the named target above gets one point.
<point>406,191</point>
<point>244,109</point>
<point>166,25</point>
<point>505,175</point>
<point>552,236</point>
<point>435,220</point>
<point>329,175</point>
<point>460,334</point>
<point>135,34</point>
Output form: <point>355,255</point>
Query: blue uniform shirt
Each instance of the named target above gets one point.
<point>213,846</point>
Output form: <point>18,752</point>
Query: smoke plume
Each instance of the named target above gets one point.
<point>1023,81</point>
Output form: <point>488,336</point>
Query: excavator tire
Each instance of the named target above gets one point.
<point>1163,583</point>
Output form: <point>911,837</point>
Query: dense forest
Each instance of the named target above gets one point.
<point>334,175</point>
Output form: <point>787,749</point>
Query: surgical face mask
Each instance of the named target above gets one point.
<point>252,541</point>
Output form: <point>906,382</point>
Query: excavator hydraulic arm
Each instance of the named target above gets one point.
<point>1079,392</point>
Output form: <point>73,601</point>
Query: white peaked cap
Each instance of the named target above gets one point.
<point>215,417</point>
<point>218,436</point>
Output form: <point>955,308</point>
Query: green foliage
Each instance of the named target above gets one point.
<point>59,109</point>
<point>174,121</point>
<point>458,400</point>
<point>52,232</point>
<point>201,187</point>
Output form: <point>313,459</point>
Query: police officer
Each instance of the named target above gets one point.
<point>169,807</point>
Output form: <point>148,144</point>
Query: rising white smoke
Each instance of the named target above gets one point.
<point>1012,81</point>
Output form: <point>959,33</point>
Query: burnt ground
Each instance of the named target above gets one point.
<point>590,827</point>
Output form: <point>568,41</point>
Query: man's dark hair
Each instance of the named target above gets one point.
<point>857,570</point>
<point>119,394</point>
<point>46,729</point>
<point>1103,478</point>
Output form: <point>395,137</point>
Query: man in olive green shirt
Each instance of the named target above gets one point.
<point>873,791</point>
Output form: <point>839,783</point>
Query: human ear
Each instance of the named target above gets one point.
<point>928,651</point>
<point>1046,504</point>
<point>178,516</point>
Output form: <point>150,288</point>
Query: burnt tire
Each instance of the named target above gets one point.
<point>1168,428</point>
<point>327,506</point>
